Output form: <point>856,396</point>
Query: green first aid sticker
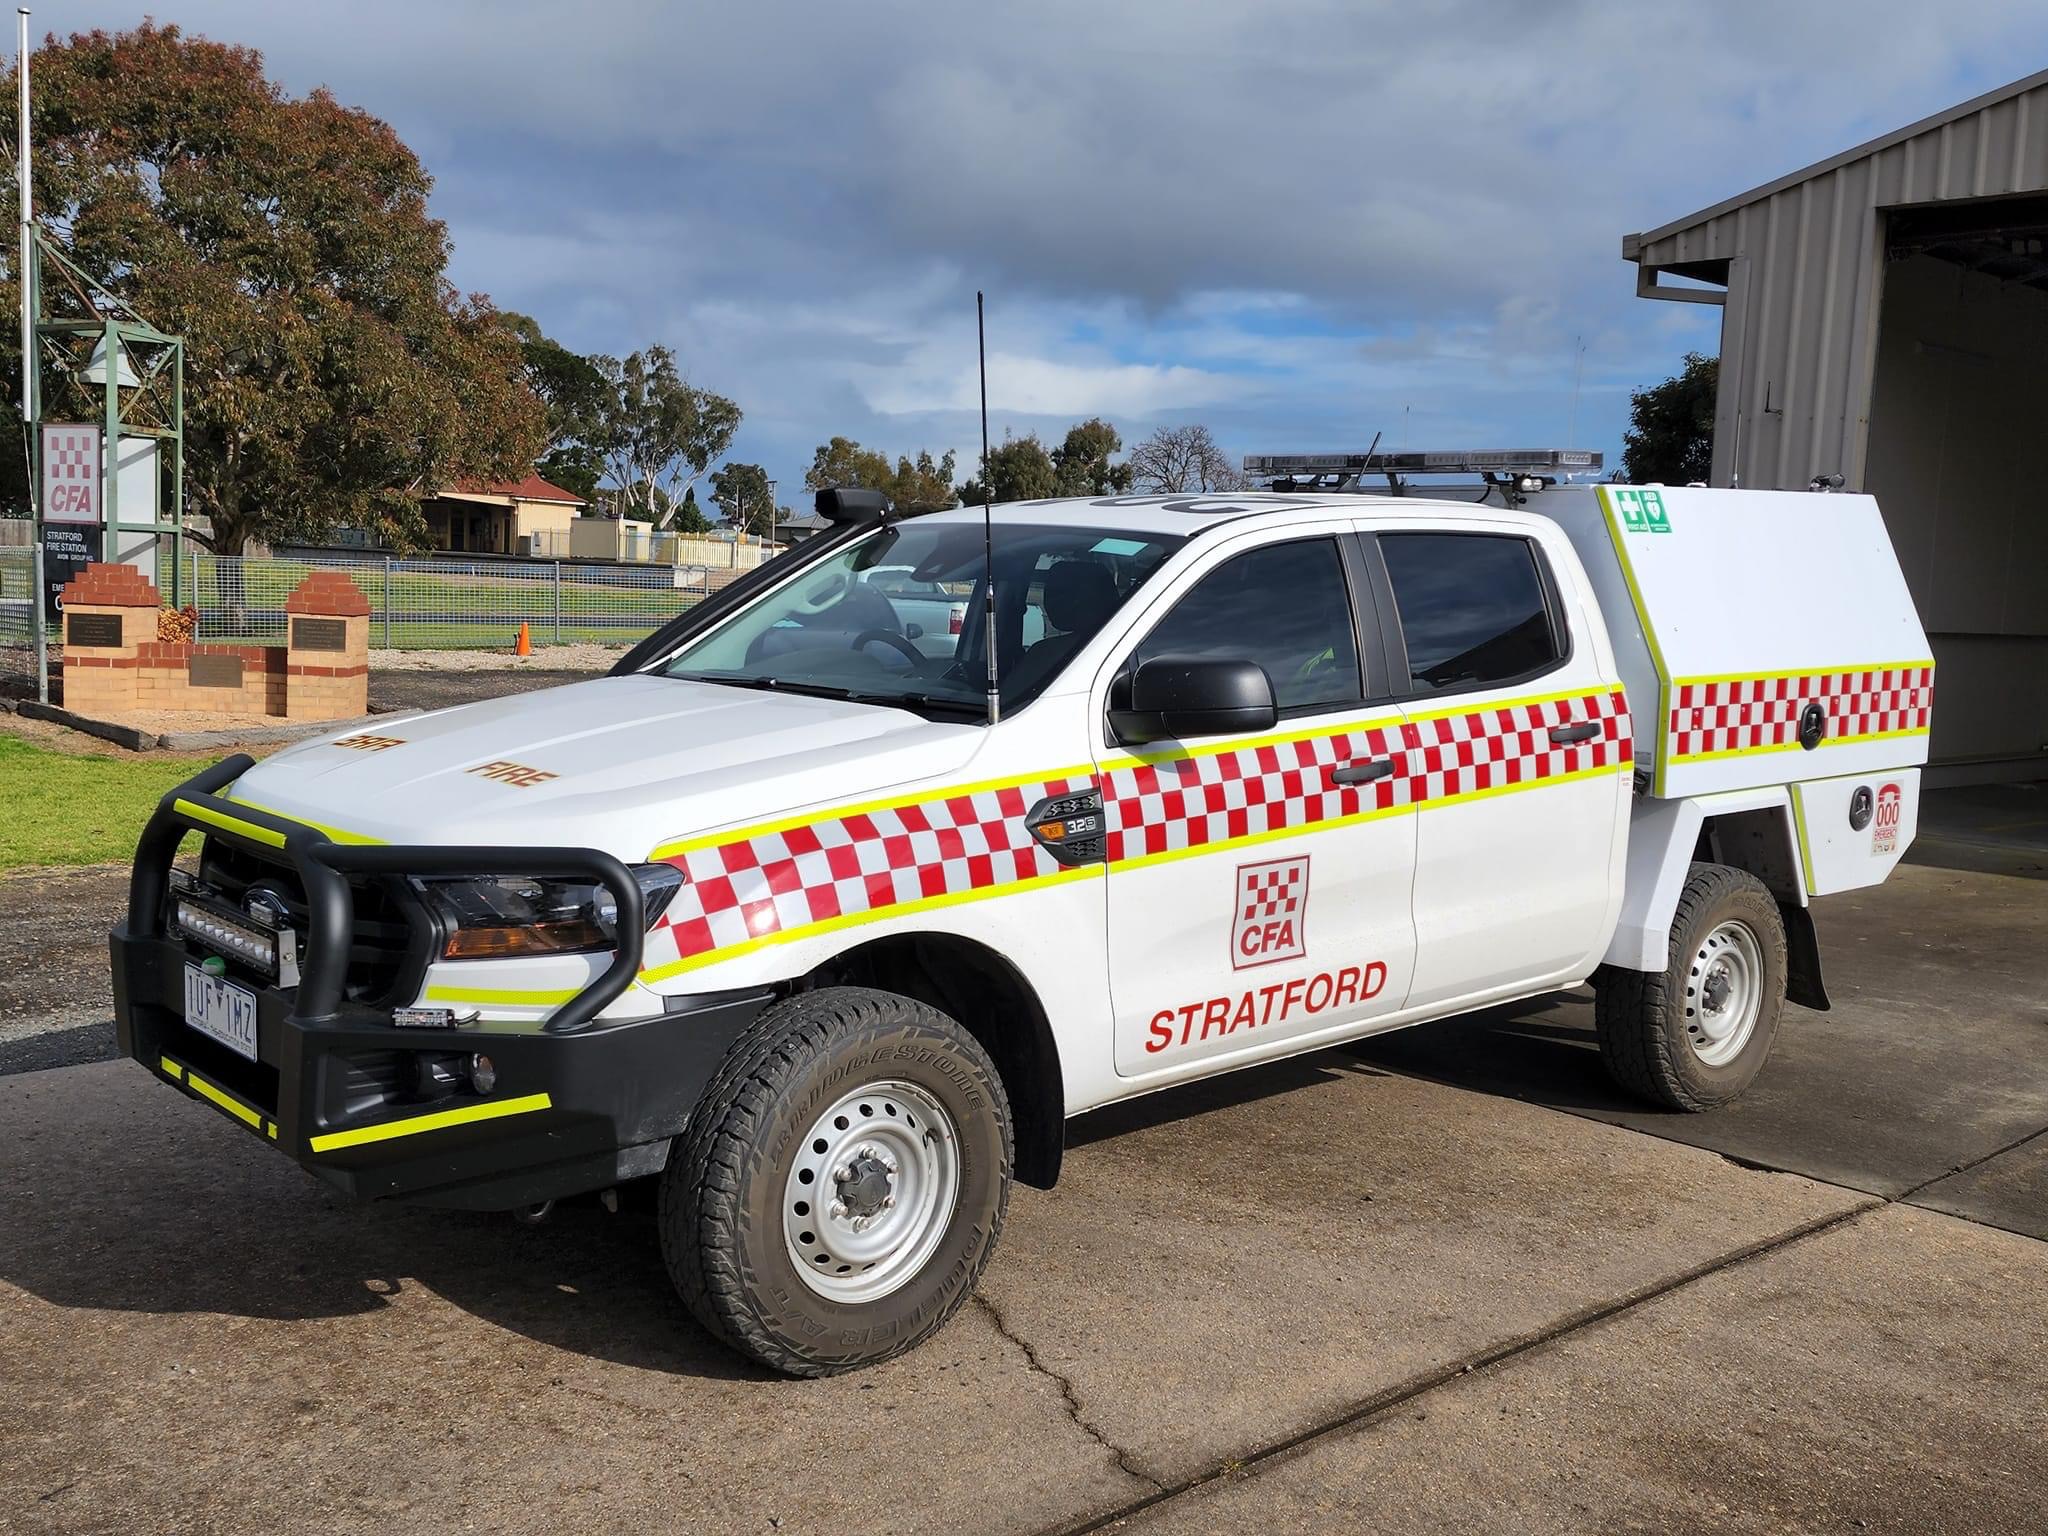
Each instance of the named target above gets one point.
<point>1641,511</point>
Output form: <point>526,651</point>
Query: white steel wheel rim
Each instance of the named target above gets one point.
<point>872,1192</point>
<point>1724,993</point>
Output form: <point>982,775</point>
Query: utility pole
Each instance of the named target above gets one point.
<point>32,448</point>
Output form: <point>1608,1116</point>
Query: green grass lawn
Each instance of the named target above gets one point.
<point>62,808</point>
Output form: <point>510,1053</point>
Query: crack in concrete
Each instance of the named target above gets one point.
<point>1419,1386</point>
<point>1072,1398</point>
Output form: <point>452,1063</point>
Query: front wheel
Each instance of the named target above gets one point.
<point>1697,1034</point>
<point>842,1182</point>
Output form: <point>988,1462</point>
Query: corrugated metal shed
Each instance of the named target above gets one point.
<point>1803,260</point>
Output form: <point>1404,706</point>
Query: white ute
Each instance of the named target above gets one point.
<point>775,913</point>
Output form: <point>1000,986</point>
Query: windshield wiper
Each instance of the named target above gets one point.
<point>835,691</point>
<point>923,701</point>
<point>768,684</point>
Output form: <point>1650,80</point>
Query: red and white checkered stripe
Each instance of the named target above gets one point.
<point>868,863</point>
<point>1192,802</point>
<point>1760,713</point>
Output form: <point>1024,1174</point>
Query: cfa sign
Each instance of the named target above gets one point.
<point>71,474</point>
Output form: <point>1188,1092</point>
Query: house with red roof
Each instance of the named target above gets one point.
<point>503,517</point>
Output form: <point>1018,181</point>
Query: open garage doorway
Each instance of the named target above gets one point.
<point>1958,459</point>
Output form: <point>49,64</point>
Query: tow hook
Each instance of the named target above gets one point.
<point>533,1215</point>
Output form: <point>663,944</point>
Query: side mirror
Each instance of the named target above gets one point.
<point>1170,699</point>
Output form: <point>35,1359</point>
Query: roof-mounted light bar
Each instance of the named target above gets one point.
<point>1481,461</point>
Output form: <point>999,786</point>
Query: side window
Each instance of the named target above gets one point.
<point>1471,608</point>
<point>1285,606</point>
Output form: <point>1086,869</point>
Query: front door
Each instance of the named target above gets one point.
<point>1259,885</point>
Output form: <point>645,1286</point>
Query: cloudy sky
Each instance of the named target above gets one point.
<point>1300,221</point>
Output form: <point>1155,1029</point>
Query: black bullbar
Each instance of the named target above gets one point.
<point>572,1104</point>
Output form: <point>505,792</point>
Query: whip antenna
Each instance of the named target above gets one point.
<point>988,538</point>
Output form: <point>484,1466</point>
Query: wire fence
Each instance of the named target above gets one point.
<point>453,604</point>
<point>17,612</point>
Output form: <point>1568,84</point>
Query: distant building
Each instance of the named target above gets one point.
<point>794,530</point>
<point>505,517</point>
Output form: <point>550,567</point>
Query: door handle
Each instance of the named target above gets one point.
<point>1566,735</point>
<point>1362,773</point>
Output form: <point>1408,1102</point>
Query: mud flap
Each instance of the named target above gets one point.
<point>1803,982</point>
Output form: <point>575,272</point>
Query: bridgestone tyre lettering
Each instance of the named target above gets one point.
<point>1642,1017</point>
<point>721,1212</point>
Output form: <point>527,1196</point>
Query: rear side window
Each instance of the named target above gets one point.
<point>1472,608</point>
<point>1286,607</point>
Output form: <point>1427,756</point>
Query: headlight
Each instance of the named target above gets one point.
<point>496,918</point>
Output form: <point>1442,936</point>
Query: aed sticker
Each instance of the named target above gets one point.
<point>1884,825</point>
<point>1270,920</point>
<point>1640,511</point>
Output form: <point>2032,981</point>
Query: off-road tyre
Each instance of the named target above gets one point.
<point>1642,1017</point>
<point>722,1205</point>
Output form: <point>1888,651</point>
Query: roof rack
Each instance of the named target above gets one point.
<point>1514,472</point>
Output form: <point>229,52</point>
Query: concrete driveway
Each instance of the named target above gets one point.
<point>1445,1281</point>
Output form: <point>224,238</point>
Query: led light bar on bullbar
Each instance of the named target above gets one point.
<point>1479,461</point>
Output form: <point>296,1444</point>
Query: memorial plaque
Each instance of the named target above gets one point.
<point>93,631</point>
<point>214,672</point>
<point>319,634</point>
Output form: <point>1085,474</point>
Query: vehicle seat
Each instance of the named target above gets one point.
<point>1079,598</point>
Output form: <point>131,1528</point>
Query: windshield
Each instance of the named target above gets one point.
<point>896,618</point>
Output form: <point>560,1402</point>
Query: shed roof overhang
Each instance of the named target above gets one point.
<point>1993,145</point>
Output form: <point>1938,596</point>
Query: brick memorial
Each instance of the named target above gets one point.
<point>114,664</point>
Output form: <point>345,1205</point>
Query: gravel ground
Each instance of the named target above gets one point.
<point>551,658</point>
<point>441,679</point>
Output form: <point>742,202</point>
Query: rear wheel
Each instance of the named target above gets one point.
<point>1696,1034</point>
<point>842,1182</point>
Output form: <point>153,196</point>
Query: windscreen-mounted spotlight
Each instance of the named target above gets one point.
<point>849,504</point>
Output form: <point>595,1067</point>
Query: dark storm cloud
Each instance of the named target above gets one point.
<point>1289,216</point>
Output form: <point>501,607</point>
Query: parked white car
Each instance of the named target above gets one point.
<point>777,915</point>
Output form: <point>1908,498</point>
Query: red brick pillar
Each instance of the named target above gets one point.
<point>327,649</point>
<point>109,618</point>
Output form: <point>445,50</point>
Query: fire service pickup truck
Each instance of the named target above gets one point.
<point>777,914</point>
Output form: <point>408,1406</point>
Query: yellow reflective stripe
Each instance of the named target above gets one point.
<point>924,796</point>
<point>334,834</point>
<point>439,1121</point>
<point>181,1073</point>
<point>438,994</point>
<point>1805,851</point>
<point>1772,677</point>
<point>1610,519</point>
<point>233,1106</point>
<point>1375,722</point>
<point>226,823</point>
<point>858,919</point>
<point>1377,814</point>
<point>1793,746</point>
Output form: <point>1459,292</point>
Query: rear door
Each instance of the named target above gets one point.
<point>1518,757</point>
<point>1258,885</point>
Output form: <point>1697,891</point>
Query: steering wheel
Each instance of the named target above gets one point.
<point>910,652</point>
<point>816,599</point>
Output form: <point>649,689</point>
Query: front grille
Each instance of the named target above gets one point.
<point>392,936</point>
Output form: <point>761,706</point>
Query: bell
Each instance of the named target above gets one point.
<point>95,369</point>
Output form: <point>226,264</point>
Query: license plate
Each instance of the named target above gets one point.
<point>217,1007</point>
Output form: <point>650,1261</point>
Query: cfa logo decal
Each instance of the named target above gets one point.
<point>1270,920</point>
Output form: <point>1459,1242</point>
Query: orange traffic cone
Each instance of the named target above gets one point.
<point>525,645</point>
